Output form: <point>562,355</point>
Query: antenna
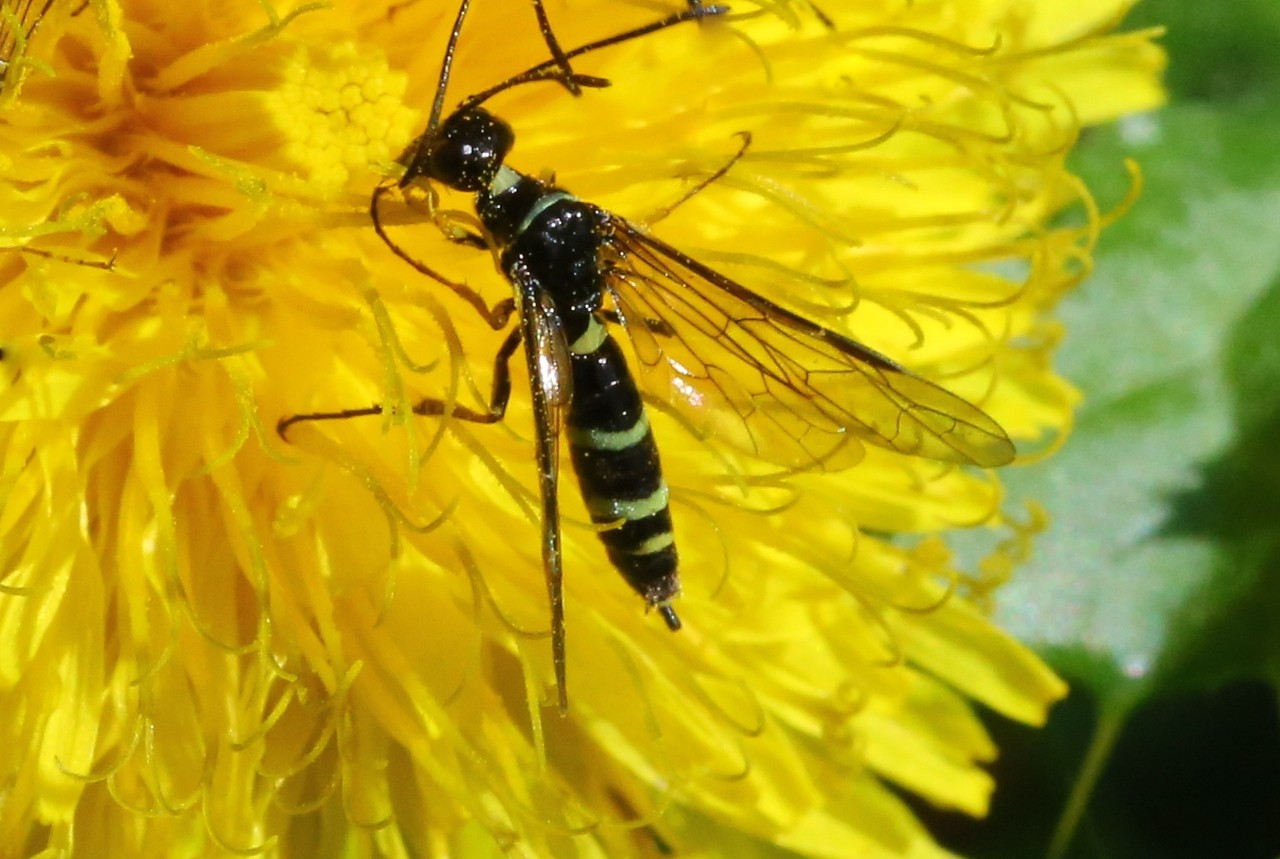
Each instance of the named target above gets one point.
<point>446,67</point>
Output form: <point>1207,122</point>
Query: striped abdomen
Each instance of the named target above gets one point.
<point>616,460</point>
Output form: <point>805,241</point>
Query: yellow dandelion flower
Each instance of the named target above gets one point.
<point>214,639</point>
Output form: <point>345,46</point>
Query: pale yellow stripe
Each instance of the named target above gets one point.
<point>654,544</point>
<point>545,202</point>
<point>628,509</point>
<point>591,340</point>
<point>598,439</point>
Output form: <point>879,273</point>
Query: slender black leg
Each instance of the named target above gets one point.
<point>702,185</point>
<point>557,53</point>
<point>499,396</point>
<point>558,67</point>
<point>820,15</point>
<point>107,265</point>
<point>496,316</point>
<point>471,240</point>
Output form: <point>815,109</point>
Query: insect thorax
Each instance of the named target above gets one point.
<point>552,236</point>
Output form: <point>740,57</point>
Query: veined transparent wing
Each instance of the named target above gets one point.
<point>771,382</point>
<point>551,386</point>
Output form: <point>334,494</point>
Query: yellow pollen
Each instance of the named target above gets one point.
<point>341,110</point>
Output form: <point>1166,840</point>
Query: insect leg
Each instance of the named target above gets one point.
<point>499,395</point>
<point>702,185</point>
<point>554,69</point>
<point>564,73</point>
<point>547,356</point>
<point>498,399</point>
<point>557,52</point>
<point>108,265</point>
<point>820,15</point>
<point>496,316</point>
<point>14,43</point>
<point>471,240</point>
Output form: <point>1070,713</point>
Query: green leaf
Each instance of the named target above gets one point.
<point>1218,52</point>
<point>1159,582</point>
<point>1123,572</point>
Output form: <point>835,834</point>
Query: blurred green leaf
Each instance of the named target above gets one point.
<point>1218,52</point>
<point>1158,587</point>
<point>1150,342</point>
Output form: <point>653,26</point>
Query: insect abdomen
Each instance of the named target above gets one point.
<point>616,460</point>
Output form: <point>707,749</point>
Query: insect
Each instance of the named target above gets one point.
<point>781,386</point>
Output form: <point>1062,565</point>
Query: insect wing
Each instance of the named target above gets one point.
<point>772,383</point>
<point>551,388</point>
<point>550,370</point>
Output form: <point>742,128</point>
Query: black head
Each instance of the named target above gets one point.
<point>464,153</point>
